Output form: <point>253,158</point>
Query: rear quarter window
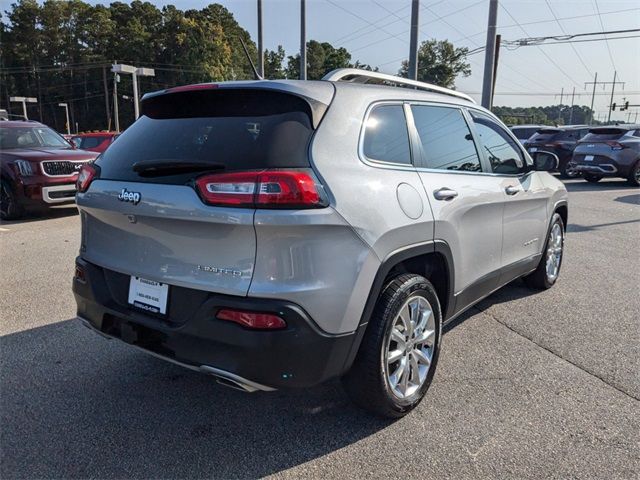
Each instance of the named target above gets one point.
<point>386,138</point>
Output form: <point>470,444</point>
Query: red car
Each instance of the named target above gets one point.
<point>38,168</point>
<point>94,141</point>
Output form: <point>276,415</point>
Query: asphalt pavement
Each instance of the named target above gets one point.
<point>529,384</point>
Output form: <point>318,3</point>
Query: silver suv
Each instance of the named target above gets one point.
<point>278,234</point>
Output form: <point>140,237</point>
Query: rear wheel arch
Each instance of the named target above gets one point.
<point>433,260</point>
<point>562,209</point>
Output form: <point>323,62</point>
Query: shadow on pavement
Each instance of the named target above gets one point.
<point>580,185</point>
<point>47,214</point>
<point>77,405</point>
<point>631,199</point>
<point>575,228</point>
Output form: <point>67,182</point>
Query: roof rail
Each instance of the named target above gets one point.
<point>356,75</point>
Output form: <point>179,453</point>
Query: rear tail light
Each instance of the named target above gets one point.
<point>265,189</point>
<point>87,173</point>
<point>553,144</point>
<point>79,274</point>
<point>615,145</point>
<point>254,320</point>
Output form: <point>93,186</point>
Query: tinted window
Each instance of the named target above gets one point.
<point>544,135</point>
<point>447,143</point>
<point>386,138</point>
<point>502,152</point>
<point>604,134</point>
<point>90,142</point>
<point>523,133</point>
<point>30,137</point>
<point>232,130</point>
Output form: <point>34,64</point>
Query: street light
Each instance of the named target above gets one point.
<point>135,73</point>
<point>24,101</point>
<point>66,110</point>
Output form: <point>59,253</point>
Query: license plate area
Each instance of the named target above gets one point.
<point>588,158</point>
<point>533,150</point>
<point>148,295</point>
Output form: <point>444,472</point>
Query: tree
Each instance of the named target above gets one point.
<point>273,63</point>
<point>440,63</point>
<point>321,59</point>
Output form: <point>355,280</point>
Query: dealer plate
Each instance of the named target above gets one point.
<point>148,295</point>
<point>588,158</point>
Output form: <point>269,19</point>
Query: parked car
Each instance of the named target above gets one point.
<point>39,168</point>
<point>612,151</point>
<point>276,234</point>
<point>558,140</point>
<point>524,132</point>
<point>94,141</point>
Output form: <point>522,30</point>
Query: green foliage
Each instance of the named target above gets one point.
<point>57,50</point>
<point>439,63</point>
<point>550,115</point>
<point>321,59</point>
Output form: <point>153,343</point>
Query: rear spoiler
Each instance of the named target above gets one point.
<point>318,95</point>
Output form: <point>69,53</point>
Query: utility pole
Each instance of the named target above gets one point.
<point>106,97</point>
<point>260,46</point>
<point>495,68</point>
<point>613,88</point>
<point>116,78</point>
<point>560,109</point>
<point>489,55</point>
<point>303,41</point>
<point>413,40</point>
<point>573,94</point>
<point>593,96</point>
<point>604,84</point>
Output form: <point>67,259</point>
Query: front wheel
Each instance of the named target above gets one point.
<point>399,352</point>
<point>10,209</point>
<point>591,178</point>
<point>547,271</point>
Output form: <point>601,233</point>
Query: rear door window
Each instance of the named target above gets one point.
<point>447,143</point>
<point>386,138</point>
<point>232,130</point>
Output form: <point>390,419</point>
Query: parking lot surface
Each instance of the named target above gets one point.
<point>529,384</point>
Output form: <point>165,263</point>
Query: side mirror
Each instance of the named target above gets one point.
<point>545,161</point>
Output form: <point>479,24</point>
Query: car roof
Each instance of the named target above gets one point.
<point>21,123</point>
<point>95,134</point>
<point>529,125</point>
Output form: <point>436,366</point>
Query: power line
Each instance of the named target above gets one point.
<point>542,51</point>
<point>605,37</point>
<point>563,31</point>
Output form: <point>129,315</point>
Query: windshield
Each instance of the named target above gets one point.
<point>30,137</point>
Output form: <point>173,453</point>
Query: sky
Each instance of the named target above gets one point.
<point>377,32</point>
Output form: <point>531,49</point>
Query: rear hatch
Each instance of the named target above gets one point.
<point>543,138</point>
<point>599,145</point>
<point>148,213</point>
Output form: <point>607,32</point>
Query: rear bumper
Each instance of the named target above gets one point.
<point>613,164</point>
<point>300,355</point>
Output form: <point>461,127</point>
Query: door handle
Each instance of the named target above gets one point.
<point>445,194</point>
<point>511,190</point>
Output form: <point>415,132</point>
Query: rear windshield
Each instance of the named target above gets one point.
<point>523,133</point>
<point>87,142</point>
<point>232,130</point>
<point>545,134</point>
<point>604,134</point>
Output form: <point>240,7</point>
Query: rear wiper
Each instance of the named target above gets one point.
<point>159,168</point>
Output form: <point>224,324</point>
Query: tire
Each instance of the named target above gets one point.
<point>10,209</point>
<point>591,178</point>
<point>375,382</point>
<point>541,278</point>
<point>634,175</point>
<point>566,172</point>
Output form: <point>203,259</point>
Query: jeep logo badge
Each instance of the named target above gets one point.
<point>133,197</point>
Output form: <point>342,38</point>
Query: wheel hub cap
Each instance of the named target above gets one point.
<point>410,347</point>
<point>554,252</point>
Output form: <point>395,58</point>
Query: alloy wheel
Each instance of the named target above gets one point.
<point>410,347</point>
<point>554,252</point>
